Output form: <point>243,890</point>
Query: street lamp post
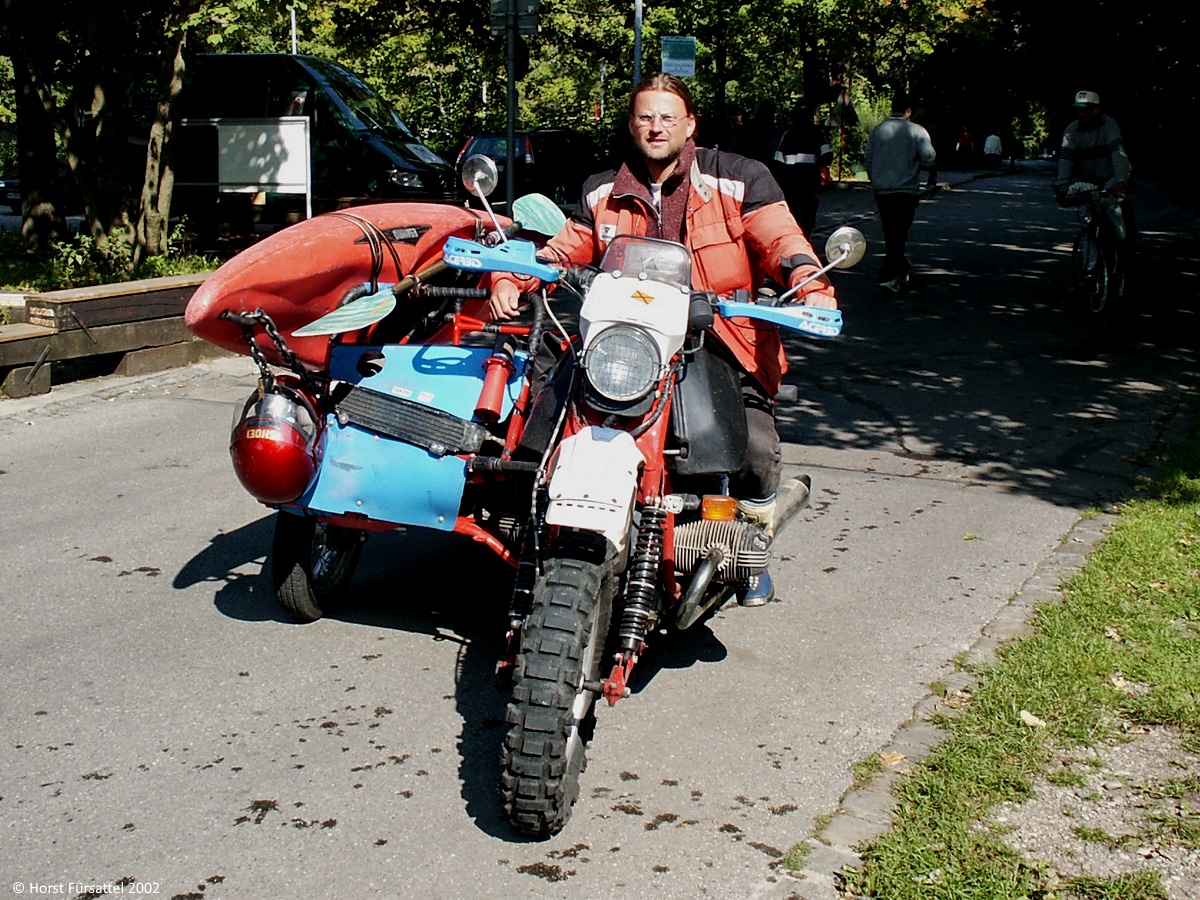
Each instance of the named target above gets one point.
<point>637,41</point>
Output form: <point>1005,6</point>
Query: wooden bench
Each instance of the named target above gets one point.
<point>142,320</point>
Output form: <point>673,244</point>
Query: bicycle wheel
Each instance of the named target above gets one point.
<point>1118,263</point>
<point>1090,271</point>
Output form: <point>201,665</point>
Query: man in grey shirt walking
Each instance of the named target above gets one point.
<point>898,150</point>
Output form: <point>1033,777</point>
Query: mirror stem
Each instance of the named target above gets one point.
<point>844,251</point>
<point>488,207</point>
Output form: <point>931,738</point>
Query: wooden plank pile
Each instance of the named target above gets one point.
<point>140,320</point>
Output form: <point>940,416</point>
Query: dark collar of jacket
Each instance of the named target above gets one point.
<point>633,180</point>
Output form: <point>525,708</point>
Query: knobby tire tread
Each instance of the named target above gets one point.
<point>540,782</point>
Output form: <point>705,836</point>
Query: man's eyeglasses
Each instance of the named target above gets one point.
<point>646,120</point>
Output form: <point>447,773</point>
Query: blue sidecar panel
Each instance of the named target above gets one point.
<point>389,480</point>
<point>437,375</point>
<point>385,480</point>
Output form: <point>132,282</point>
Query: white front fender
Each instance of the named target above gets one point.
<point>594,483</point>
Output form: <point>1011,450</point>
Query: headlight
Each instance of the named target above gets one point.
<point>622,363</point>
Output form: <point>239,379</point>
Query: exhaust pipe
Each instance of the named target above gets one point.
<point>690,608</point>
<point>792,497</point>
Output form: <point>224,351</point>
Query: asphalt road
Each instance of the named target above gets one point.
<point>164,724</point>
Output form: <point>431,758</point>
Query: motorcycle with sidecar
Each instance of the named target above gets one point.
<point>592,455</point>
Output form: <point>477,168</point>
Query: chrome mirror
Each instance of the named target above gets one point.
<point>479,175</point>
<point>845,247</point>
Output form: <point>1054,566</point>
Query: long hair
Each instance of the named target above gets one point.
<point>668,83</point>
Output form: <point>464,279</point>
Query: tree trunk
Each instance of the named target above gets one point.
<point>37,167</point>
<point>720,65</point>
<point>37,158</point>
<point>153,225</point>
<point>94,124</point>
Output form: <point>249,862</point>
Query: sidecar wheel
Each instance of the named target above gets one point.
<point>552,713</point>
<point>311,563</point>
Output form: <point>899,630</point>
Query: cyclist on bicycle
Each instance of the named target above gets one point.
<point>1092,152</point>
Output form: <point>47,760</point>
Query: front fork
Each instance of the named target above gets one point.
<point>521,603</point>
<point>641,610</point>
<point>652,545</point>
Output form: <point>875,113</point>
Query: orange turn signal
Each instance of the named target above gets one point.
<point>718,508</point>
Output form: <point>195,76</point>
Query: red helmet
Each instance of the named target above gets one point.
<point>276,444</point>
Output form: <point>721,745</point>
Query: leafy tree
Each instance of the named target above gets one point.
<point>100,82</point>
<point>70,65</point>
<point>1015,62</point>
<point>432,60</point>
<point>8,118</point>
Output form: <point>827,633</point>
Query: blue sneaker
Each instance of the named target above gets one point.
<point>757,590</point>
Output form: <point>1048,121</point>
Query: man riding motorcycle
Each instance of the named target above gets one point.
<point>731,214</point>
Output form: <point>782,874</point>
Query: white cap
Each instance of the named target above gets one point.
<point>1087,98</point>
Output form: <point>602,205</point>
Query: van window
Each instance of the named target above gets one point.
<point>364,108</point>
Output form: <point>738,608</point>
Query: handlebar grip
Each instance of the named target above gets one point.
<point>506,231</point>
<point>578,277</point>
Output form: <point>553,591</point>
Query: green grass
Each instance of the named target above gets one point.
<point>797,856</point>
<point>1130,616</point>
<point>1135,886</point>
<point>1099,836</point>
<point>1066,778</point>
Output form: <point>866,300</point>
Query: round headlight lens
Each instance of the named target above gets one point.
<point>622,363</point>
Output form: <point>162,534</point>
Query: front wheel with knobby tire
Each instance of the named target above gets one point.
<point>311,563</point>
<point>552,713</point>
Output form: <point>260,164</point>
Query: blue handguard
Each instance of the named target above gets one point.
<point>811,320</point>
<point>511,256</point>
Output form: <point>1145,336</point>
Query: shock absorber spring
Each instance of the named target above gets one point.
<point>640,587</point>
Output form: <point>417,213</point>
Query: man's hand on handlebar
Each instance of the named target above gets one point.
<point>824,301</point>
<point>817,292</point>
<point>505,302</point>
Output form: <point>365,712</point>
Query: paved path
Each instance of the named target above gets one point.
<point>166,724</point>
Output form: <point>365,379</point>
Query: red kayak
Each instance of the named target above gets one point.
<point>306,271</point>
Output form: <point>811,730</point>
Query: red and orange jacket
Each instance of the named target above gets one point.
<point>736,225</point>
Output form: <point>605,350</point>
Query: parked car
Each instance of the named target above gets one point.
<point>67,193</point>
<point>361,151</point>
<point>550,161</point>
<point>10,192</point>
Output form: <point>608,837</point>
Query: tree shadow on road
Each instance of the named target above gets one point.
<point>985,362</point>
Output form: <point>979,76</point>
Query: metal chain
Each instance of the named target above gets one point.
<point>247,321</point>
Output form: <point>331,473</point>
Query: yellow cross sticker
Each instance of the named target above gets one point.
<point>642,298</point>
